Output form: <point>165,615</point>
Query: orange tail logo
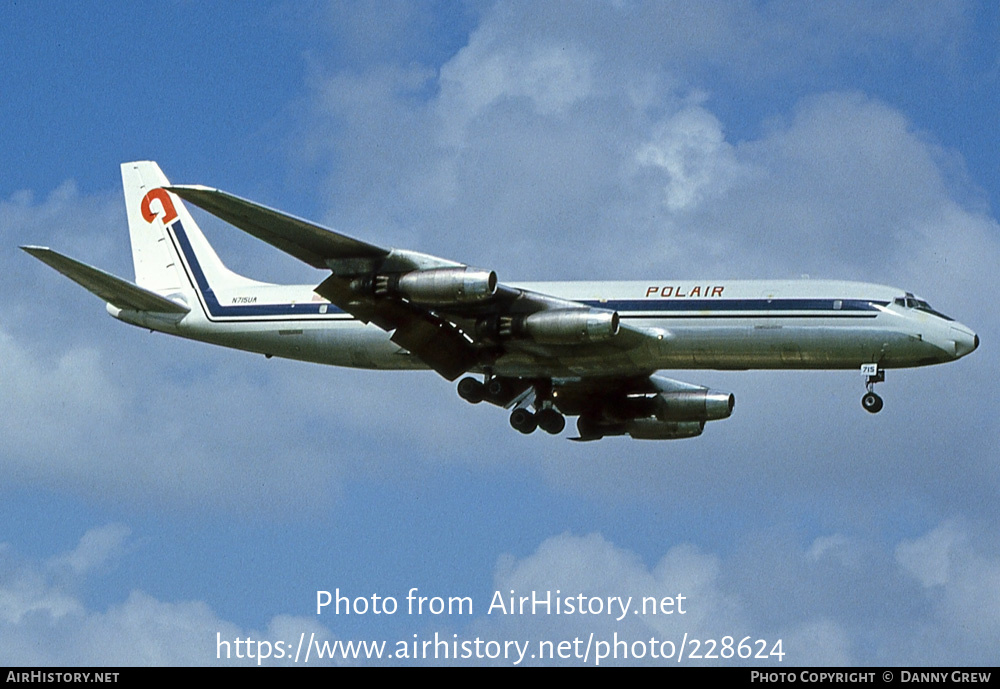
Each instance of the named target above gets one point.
<point>166,205</point>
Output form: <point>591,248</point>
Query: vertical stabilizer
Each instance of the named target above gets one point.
<point>154,258</point>
<point>151,211</point>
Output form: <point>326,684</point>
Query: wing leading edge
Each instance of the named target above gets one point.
<point>302,239</point>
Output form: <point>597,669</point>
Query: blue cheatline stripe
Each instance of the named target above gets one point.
<point>692,309</point>
<point>759,315</point>
<point>850,307</point>
<point>245,312</point>
<point>628,308</point>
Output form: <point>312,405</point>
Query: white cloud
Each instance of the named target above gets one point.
<point>826,643</point>
<point>526,138</point>
<point>684,579</point>
<point>52,406</point>
<point>551,77</point>
<point>691,151</point>
<point>28,594</point>
<point>96,549</point>
<point>43,620</point>
<point>928,558</point>
<point>960,581</point>
<point>828,546</point>
<point>826,610</point>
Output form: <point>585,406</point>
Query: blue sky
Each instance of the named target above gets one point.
<point>156,492</point>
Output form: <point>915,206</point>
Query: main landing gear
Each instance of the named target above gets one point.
<point>871,402</point>
<point>504,392</point>
<point>471,390</point>
<point>547,418</point>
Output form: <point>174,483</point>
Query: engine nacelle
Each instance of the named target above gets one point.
<point>694,405</point>
<point>564,326</point>
<point>440,285</point>
<point>652,428</point>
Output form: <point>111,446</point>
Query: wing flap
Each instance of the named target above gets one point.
<point>114,290</point>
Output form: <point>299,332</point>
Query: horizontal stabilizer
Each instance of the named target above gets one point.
<point>115,291</point>
<point>304,240</point>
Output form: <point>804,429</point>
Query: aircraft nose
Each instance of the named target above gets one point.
<point>966,341</point>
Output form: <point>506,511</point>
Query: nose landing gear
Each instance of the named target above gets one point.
<point>871,402</point>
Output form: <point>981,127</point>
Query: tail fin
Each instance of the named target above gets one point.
<point>159,265</point>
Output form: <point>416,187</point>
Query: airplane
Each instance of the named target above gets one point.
<point>544,350</point>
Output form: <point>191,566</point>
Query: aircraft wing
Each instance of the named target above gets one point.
<point>302,239</point>
<point>314,244</point>
<point>114,290</point>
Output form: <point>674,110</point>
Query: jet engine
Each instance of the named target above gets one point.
<point>655,429</point>
<point>663,416</point>
<point>640,428</point>
<point>694,405</point>
<point>440,285</point>
<point>561,326</point>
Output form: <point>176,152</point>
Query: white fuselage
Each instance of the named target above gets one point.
<point>714,324</point>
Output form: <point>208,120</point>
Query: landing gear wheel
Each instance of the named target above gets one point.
<point>523,421</point>
<point>872,403</point>
<point>497,390</point>
<point>551,421</point>
<point>471,390</point>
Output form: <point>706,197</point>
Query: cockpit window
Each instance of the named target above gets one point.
<point>911,302</point>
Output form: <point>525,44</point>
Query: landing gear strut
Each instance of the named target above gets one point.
<point>871,402</point>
